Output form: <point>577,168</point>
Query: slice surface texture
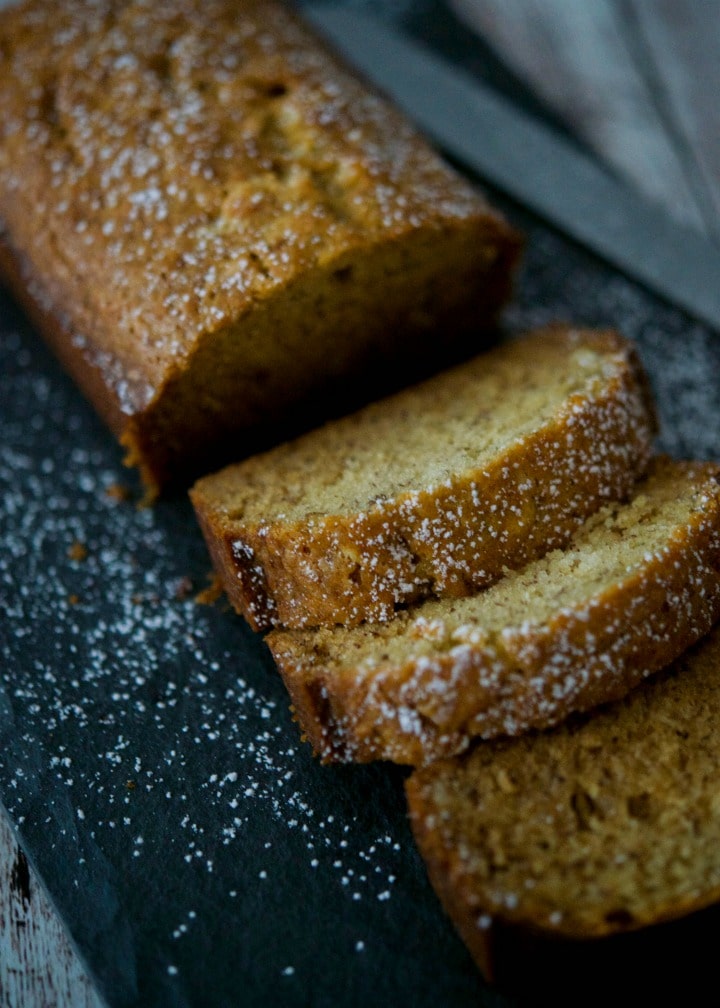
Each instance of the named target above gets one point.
<point>581,626</point>
<point>435,491</point>
<point>606,824</point>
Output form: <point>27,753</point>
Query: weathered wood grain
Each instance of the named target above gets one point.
<point>39,967</point>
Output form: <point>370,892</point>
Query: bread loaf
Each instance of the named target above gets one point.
<point>435,491</point>
<point>639,583</point>
<point>217,226</point>
<point>602,826</point>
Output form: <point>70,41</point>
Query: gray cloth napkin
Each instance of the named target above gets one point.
<point>636,81</point>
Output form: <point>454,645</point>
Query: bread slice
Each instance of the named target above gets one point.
<point>434,491</point>
<point>604,825</point>
<point>219,228</point>
<point>637,586</point>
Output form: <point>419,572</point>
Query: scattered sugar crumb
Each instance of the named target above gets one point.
<point>77,551</point>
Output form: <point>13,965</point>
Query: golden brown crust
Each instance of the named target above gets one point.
<point>424,706</point>
<point>219,214</point>
<point>439,540</point>
<point>446,877</point>
<point>58,332</point>
<point>652,746</point>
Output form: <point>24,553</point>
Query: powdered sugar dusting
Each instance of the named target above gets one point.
<point>136,773</point>
<point>184,166</point>
<point>140,728</point>
<point>629,780</point>
<point>580,626</point>
<point>460,492</point>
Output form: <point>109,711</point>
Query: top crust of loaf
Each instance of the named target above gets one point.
<point>199,98</point>
<point>606,824</point>
<point>167,168</point>
<point>436,490</point>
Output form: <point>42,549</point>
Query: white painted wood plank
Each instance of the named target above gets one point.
<point>39,968</point>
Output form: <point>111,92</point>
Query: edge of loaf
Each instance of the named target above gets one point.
<point>435,491</point>
<point>216,225</point>
<point>638,585</point>
<point>541,848</point>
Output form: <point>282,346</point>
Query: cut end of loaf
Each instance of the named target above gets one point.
<point>389,313</point>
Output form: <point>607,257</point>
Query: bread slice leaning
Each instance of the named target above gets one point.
<point>637,586</point>
<point>602,826</point>
<point>435,491</point>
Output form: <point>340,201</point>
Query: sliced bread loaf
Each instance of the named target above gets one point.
<point>637,586</point>
<point>220,229</point>
<point>435,491</point>
<point>604,825</point>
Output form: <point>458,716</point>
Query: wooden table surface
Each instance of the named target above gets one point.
<point>38,963</point>
<point>636,83</point>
